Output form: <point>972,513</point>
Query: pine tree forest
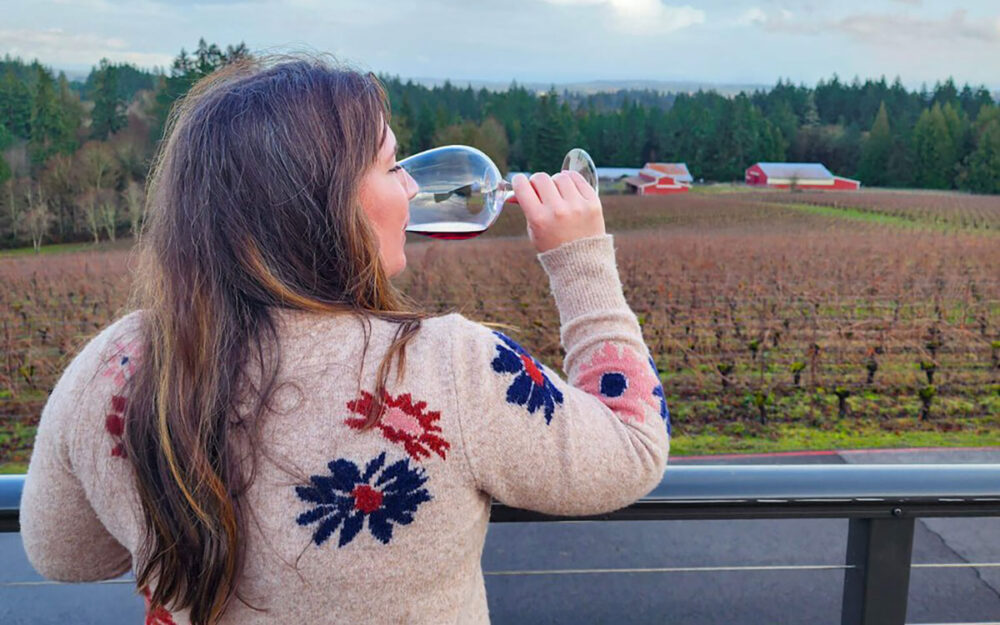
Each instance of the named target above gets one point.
<point>75,155</point>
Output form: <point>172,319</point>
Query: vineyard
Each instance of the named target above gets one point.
<point>771,316</point>
<point>925,208</point>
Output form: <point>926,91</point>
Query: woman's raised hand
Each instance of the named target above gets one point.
<point>559,208</point>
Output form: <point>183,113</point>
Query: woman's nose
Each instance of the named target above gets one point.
<point>411,185</point>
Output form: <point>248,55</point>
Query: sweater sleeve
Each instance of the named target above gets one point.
<point>534,441</point>
<point>63,537</point>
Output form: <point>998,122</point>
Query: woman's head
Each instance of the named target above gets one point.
<point>277,173</point>
<point>275,187</point>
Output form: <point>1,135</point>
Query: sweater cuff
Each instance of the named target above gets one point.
<point>584,277</point>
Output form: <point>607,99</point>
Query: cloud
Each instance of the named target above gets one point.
<point>880,29</point>
<point>752,16</point>
<point>60,48</point>
<point>892,29</point>
<point>643,16</point>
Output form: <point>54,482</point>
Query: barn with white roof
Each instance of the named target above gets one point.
<point>660,179</point>
<point>811,176</point>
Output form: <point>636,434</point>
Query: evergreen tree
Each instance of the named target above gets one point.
<point>423,134</point>
<point>981,171</point>
<point>5,173</point>
<point>184,72</point>
<point>874,167</point>
<point>130,80</point>
<point>945,93</point>
<point>552,135</point>
<point>810,116</point>
<point>934,150</point>
<point>402,126</point>
<point>15,104</point>
<point>49,133</point>
<point>72,113</point>
<point>6,138</point>
<point>108,116</point>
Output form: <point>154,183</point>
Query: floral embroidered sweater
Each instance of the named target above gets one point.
<point>384,525</point>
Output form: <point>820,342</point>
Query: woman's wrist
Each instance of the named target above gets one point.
<point>583,276</point>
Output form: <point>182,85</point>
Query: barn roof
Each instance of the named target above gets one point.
<point>636,181</point>
<point>677,171</point>
<point>616,172</point>
<point>811,171</point>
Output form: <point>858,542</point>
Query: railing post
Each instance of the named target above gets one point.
<point>876,587</point>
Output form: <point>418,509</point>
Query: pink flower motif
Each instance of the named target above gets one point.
<point>122,363</point>
<point>621,380</point>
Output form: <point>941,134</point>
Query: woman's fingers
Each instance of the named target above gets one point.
<point>557,209</point>
<point>546,189</point>
<point>582,185</point>
<point>526,197</point>
<point>567,188</point>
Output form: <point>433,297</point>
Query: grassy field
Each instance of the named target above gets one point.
<point>779,321</point>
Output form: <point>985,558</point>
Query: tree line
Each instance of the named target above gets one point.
<point>76,154</point>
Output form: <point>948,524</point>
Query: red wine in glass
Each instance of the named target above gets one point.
<point>450,230</point>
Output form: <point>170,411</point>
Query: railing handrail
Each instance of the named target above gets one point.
<point>881,501</point>
<point>764,491</point>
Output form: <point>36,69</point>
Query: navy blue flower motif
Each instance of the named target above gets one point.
<point>658,393</point>
<point>345,498</point>
<point>531,387</point>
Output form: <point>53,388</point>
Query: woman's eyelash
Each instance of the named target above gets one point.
<point>395,169</point>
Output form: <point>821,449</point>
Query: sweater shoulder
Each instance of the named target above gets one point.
<point>454,333</point>
<point>453,324</point>
<point>119,339</point>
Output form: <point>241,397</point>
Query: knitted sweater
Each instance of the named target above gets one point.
<point>384,525</point>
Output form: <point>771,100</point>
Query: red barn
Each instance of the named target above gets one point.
<point>811,176</point>
<point>660,179</point>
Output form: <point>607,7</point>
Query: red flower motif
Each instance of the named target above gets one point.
<point>120,368</point>
<point>403,421</point>
<point>158,615</point>
<point>366,498</point>
<point>118,403</point>
<point>114,423</point>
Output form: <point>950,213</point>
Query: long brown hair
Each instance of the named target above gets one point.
<point>253,206</point>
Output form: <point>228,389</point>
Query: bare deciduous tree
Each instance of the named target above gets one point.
<point>38,218</point>
<point>98,169</point>
<point>91,214</point>
<point>14,210</point>
<point>135,205</point>
<point>62,185</point>
<point>109,215</point>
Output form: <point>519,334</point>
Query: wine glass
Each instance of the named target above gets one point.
<point>461,191</point>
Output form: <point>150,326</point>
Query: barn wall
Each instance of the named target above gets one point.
<point>759,180</point>
<point>666,190</point>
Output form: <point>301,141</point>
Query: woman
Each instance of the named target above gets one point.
<point>275,426</point>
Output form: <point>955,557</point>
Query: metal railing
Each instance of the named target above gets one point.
<point>881,502</point>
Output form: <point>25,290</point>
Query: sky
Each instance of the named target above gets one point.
<point>551,41</point>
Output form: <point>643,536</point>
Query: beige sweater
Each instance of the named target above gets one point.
<point>387,525</point>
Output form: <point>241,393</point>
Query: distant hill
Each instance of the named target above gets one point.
<point>599,86</point>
